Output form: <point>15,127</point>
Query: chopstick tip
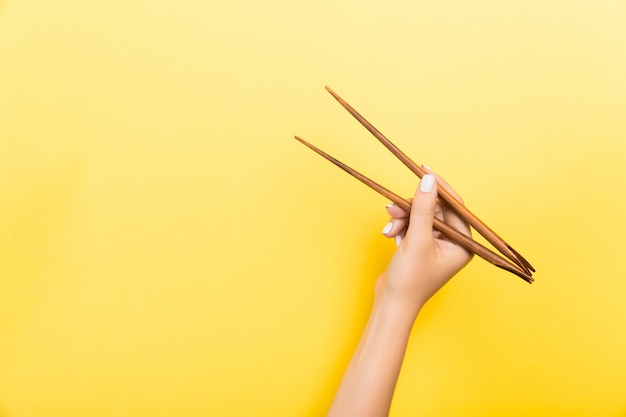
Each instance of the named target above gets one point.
<point>520,258</point>
<point>307,144</point>
<point>335,95</point>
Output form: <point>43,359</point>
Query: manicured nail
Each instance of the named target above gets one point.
<point>398,240</point>
<point>387,228</point>
<point>427,183</point>
<point>390,205</point>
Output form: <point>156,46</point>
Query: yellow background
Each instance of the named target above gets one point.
<point>167,248</point>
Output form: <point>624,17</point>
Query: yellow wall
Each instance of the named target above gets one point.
<point>167,248</point>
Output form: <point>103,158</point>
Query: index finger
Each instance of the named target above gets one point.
<point>396,212</point>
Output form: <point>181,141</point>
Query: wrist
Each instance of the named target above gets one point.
<point>401,310</point>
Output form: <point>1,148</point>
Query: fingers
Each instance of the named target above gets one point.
<point>449,216</point>
<point>453,219</point>
<point>427,208</point>
<point>396,212</point>
<point>423,211</point>
<point>443,184</point>
<point>395,227</point>
<point>397,224</point>
<point>439,214</point>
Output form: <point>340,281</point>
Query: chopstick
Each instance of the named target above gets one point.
<point>456,205</point>
<point>448,231</point>
<point>519,265</point>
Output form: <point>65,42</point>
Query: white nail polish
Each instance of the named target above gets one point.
<point>390,205</point>
<point>387,228</point>
<point>398,240</point>
<point>427,183</point>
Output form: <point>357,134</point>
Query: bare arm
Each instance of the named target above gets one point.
<point>422,264</point>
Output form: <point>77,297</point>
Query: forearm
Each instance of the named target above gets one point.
<point>421,265</point>
<point>368,384</point>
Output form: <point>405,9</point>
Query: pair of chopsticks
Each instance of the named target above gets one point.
<point>512,260</point>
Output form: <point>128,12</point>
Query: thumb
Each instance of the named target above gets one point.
<point>423,211</point>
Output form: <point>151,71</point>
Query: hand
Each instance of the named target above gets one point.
<point>422,264</point>
<point>424,260</point>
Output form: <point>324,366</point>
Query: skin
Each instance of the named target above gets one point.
<point>421,265</point>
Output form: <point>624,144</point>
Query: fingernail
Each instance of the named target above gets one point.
<point>398,240</point>
<point>390,205</point>
<point>427,183</point>
<point>426,167</point>
<point>387,228</point>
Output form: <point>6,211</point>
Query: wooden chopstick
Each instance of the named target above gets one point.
<point>448,231</point>
<point>456,205</point>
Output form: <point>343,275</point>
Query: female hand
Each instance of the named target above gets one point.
<point>424,260</point>
<point>422,264</point>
